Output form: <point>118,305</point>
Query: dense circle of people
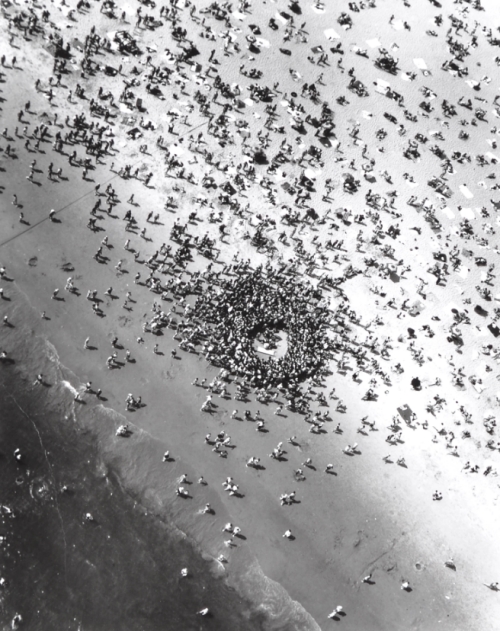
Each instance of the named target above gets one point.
<point>256,305</point>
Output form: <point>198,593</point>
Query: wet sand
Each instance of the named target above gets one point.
<point>67,521</point>
<point>370,516</point>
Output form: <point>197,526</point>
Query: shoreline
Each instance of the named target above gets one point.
<point>273,561</point>
<point>369,516</point>
<point>152,489</point>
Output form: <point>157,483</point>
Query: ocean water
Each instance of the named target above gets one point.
<point>120,569</point>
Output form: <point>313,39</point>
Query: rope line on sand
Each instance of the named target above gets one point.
<point>74,201</point>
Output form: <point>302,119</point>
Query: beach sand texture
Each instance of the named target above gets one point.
<point>369,516</point>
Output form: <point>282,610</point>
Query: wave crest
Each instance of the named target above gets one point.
<point>281,611</point>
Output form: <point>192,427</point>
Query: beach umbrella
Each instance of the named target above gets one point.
<point>135,133</point>
<point>192,51</point>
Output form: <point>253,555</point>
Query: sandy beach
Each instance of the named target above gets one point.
<point>385,209</point>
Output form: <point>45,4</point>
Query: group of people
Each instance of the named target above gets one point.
<point>238,317</point>
<point>252,306</point>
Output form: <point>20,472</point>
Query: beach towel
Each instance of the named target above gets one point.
<point>465,191</point>
<point>420,63</point>
<point>331,34</point>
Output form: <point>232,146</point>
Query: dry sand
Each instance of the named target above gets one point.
<point>370,517</point>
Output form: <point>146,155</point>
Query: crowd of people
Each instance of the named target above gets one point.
<point>216,156</point>
<point>254,306</point>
